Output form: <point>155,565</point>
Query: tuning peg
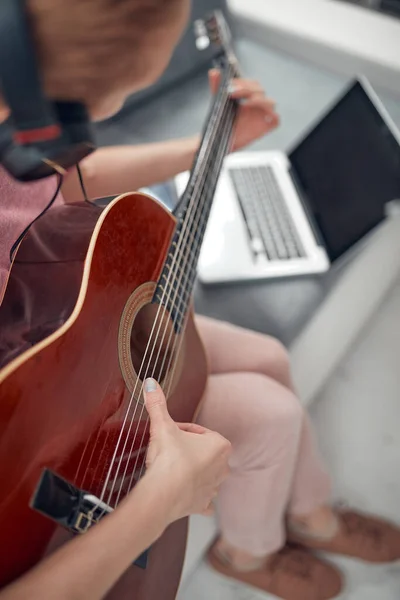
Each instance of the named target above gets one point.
<point>200,31</point>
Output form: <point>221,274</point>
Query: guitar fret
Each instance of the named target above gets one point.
<point>176,282</point>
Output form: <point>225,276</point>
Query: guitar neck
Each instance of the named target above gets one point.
<point>176,283</point>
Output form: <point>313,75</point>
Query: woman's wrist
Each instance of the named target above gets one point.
<point>160,498</point>
<point>163,492</point>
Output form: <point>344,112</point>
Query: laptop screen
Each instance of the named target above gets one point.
<point>348,166</point>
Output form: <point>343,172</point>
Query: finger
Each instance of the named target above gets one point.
<point>259,101</point>
<point>272,120</point>
<point>192,428</point>
<point>214,78</point>
<point>258,97</point>
<point>209,511</point>
<point>156,404</point>
<point>265,104</point>
<point>244,88</point>
<point>270,117</point>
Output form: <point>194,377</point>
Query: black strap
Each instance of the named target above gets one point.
<point>17,242</point>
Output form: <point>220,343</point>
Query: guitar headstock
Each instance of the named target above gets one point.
<point>215,30</point>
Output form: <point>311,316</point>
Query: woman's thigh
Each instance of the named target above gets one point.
<point>232,349</point>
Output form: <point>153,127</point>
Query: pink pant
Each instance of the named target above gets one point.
<point>275,465</point>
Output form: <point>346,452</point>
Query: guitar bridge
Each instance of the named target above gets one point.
<point>72,508</point>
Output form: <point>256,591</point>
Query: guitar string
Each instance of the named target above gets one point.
<point>179,339</point>
<point>228,136</point>
<point>95,443</point>
<point>228,140</point>
<point>110,432</point>
<point>170,383</point>
<point>182,271</point>
<point>179,314</point>
<point>186,287</point>
<point>203,150</point>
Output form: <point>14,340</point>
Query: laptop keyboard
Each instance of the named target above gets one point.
<point>271,228</point>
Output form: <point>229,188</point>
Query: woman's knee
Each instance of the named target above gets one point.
<point>270,421</point>
<point>271,405</point>
<point>276,361</point>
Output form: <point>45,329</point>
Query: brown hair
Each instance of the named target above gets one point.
<point>88,48</point>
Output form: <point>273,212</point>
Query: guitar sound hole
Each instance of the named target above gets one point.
<point>153,342</point>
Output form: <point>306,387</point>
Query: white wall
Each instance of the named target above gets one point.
<point>343,37</point>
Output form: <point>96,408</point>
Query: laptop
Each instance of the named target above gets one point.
<point>279,214</point>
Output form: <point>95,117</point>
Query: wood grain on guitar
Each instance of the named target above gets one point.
<point>63,399</point>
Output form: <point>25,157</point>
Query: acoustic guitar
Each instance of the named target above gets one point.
<point>97,300</point>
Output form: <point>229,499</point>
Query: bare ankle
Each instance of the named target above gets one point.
<point>322,523</point>
<point>238,559</point>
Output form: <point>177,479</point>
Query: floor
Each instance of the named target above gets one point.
<point>357,421</point>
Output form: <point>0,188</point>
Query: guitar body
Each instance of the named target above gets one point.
<point>68,323</point>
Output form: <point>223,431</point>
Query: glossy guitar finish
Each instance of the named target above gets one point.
<point>63,395</point>
<point>78,312</point>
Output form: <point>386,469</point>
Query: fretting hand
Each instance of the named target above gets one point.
<point>257,115</point>
<point>186,461</point>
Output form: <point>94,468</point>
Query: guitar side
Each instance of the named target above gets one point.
<point>63,391</point>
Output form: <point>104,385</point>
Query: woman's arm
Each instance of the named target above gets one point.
<point>117,169</point>
<point>88,566</point>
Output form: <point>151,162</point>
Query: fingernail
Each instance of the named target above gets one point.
<point>271,118</point>
<point>231,88</point>
<point>150,385</point>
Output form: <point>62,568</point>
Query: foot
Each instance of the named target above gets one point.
<point>321,523</point>
<point>290,574</point>
<point>360,536</point>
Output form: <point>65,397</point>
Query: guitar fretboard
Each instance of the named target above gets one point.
<point>174,289</point>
